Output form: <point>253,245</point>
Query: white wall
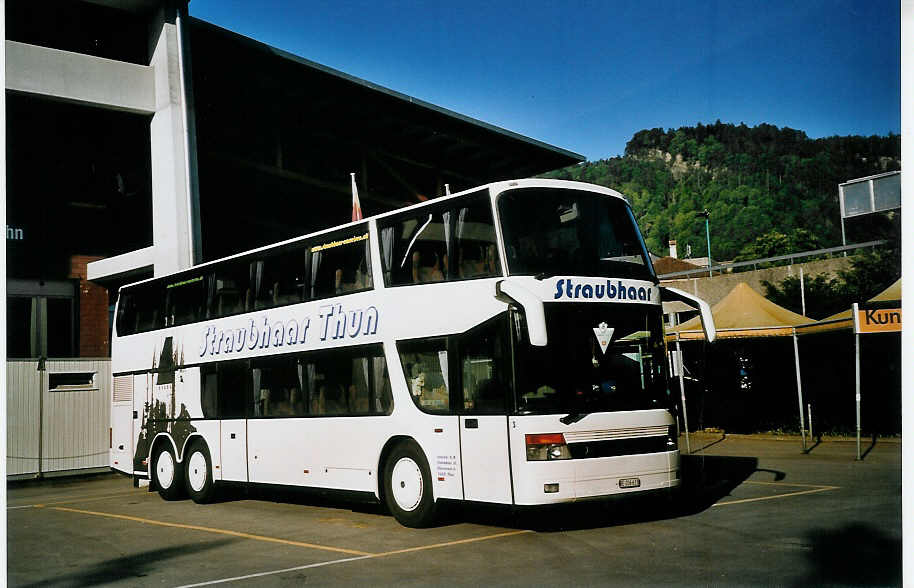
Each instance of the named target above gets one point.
<point>73,423</point>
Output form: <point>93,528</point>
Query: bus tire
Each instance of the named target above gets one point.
<point>168,473</point>
<point>408,486</point>
<point>198,473</point>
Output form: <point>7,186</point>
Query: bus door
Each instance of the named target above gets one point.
<point>235,404</point>
<point>484,458</point>
<point>142,400</point>
<point>234,441</point>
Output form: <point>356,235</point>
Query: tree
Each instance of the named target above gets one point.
<point>869,274</point>
<point>824,295</point>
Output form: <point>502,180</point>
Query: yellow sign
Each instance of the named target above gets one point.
<point>884,320</point>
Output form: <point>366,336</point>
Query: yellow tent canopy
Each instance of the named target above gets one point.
<point>845,319</point>
<point>744,313</point>
<point>890,294</point>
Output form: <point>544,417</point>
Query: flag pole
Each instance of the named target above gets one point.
<point>356,205</point>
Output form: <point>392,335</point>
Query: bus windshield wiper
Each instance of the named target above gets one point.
<point>543,275</point>
<point>573,417</point>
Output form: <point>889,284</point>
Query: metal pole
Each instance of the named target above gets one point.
<point>708,235</point>
<point>857,378</point>
<point>841,206</point>
<point>685,416</point>
<point>42,386</point>
<point>809,420</point>
<point>796,358</point>
<point>802,291</point>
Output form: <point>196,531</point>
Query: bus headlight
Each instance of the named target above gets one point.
<point>546,447</point>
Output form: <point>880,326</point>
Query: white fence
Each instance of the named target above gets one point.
<point>57,415</point>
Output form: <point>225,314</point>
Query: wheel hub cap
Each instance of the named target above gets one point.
<point>165,470</point>
<point>407,484</point>
<point>197,471</point>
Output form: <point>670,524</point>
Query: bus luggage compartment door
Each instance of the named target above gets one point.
<point>484,458</point>
<point>120,453</point>
<point>234,441</point>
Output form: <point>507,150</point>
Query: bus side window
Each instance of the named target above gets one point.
<point>348,382</point>
<point>185,301</point>
<point>279,279</point>
<point>150,307</point>
<point>340,264</point>
<point>278,388</point>
<point>425,367</point>
<point>485,368</point>
<point>126,314</point>
<point>415,249</point>
<point>209,389</point>
<point>476,241</point>
<point>230,290</point>
<point>381,400</point>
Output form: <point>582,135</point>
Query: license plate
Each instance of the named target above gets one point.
<point>629,482</point>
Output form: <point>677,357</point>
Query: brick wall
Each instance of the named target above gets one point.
<point>93,310</point>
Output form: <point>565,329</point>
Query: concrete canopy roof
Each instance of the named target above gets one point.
<point>745,313</point>
<point>321,101</point>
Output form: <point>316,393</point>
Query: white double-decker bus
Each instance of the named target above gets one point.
<point>503,345</point>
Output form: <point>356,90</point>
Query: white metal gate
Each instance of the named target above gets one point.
<point>58,415</point>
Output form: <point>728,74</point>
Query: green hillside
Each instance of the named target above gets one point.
<point>769,190</point>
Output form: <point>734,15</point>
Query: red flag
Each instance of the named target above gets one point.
<point>356,205</point>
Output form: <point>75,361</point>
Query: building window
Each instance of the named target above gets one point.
<point>41,319</point>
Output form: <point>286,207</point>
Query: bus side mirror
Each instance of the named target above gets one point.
<point>694,302</point>
<point>532,306</point>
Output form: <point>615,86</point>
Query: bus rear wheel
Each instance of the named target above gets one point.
<point>408,486</point>
<point>168,473</point>
<point>198,473</point>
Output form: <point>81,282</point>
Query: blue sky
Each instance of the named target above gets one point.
<point>585,76</point>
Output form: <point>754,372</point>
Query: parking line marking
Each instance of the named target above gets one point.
<point>368,556</point>
<point>212,530</point>
<point>792,484</point>
<point>813,489</point>
<point>455,542</point>
<point>72,500</point>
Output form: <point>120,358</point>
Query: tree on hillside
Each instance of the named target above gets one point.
<point>753,180</point>
<point>870,273</point>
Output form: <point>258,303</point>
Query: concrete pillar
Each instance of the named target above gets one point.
<point>175,213</point>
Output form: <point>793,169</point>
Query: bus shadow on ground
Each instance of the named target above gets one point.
<point>706,480</point>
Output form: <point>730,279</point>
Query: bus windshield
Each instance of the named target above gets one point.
<point>549,231</point>
<point>600,358</point>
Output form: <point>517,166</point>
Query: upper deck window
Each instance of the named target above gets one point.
<point>550,231</point>
<point>452,241</point>
<point>280,278</point>
<point>340,263</point>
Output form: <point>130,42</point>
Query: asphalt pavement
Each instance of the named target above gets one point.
<point>755,511</point>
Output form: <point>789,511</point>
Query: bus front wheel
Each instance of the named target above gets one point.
<point>198,473</point>
<point>408,486</point>
<point>168,473</point>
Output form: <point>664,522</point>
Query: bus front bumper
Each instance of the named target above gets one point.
<point>555,482</point>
